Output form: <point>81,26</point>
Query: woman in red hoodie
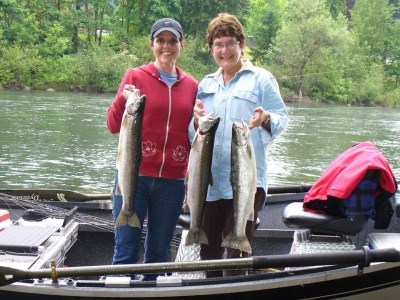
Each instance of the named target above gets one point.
<point>170,97</point>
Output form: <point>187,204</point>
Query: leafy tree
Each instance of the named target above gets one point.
<point>197,14</point>
<point>308,36</point>
<point>392,63</point>
<point>323,49</point>
<point>340,7</point>
<point>371,23</point>
<point>396,5</point>
<point>376,31</point>
<point>55,43</point>
<point>264,22</point>
<point>11,16</point>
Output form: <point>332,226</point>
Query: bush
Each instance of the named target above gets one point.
<point>94,69</point>
<point>391,99</point>
<point>19,67</point>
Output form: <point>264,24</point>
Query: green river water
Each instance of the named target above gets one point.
<point>60,140</point>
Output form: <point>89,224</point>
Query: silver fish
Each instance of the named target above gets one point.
<point>244,185</point>
<point>199,176</point>
<point>129,158</point>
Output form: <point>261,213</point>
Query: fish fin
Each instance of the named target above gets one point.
<point>233,242</point>
<point>185,208</point>
<point>185,205</point>
<point>124,120</point>
<point>196,238</point>
<point>133,220</point>
<point>186,178</point>
<point>123,220</point>
<point>251,216</point>
<point>141,160</point>
<point>117,190</point>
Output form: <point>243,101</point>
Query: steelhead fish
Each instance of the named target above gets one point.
<point>199,176</point>
<point>129,158</point>
<point>244,185</point>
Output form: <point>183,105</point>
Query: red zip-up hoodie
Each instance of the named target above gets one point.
<point>168,111</point>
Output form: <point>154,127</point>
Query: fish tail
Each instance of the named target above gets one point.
<point>134,220</point>
<point>123,220</point>
<point>234,242</point>
<point>196,237</point>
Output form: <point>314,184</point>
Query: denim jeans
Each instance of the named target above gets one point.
<point>161,200</point>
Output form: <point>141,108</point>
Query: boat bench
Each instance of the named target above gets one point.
<point>295,217</point>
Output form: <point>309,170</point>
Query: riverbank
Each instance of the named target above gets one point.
<point>292,99</point>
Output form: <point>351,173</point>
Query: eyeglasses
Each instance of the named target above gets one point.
<point>229,44</point>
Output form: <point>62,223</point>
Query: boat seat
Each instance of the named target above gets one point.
<point>295,217</point>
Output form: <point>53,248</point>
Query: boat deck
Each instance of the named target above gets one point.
<point>272,236</point>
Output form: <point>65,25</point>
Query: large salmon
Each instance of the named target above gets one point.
<point>244,185</point>
<point>199,176</point>
<point>129,158</point>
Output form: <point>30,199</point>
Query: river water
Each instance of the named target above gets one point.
<point>60,140</point>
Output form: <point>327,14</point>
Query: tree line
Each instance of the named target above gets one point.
<point>342,51</point>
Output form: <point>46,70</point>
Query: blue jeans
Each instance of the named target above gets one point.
<point>161,200</point>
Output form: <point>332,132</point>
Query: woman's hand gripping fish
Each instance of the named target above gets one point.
<point>199,176</point>
<point>244,185</point>
<point>129,158</point>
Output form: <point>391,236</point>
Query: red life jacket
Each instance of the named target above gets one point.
<point>344,174</point>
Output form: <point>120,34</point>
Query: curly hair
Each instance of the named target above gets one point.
<point>225,25</point>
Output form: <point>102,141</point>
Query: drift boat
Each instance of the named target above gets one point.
<point>58,244</point>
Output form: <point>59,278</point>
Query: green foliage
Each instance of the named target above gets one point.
<point>326,80</point>
<point>55,43</point>
<point>97,69</point>
<point>19,67</point>
<point>155,10</point>
<point>197,14</point>
<point>392,63</point>
<point>370,86</point>
<point>371,23</point>
<point>390,99</point>
<point>330,50</point>
<point>196,59</point>
<point>140,47</point>
<point>262,26</point>
<point>308,34</point>
<point>338,8</point>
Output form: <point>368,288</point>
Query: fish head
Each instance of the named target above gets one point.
<point>135,104</point>
<point>133,96</point>
<point>208,124</point>
<point>240,133</point>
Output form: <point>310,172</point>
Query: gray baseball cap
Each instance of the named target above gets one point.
<point>167,24</point>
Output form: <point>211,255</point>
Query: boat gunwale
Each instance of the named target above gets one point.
<point>242,284</point>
